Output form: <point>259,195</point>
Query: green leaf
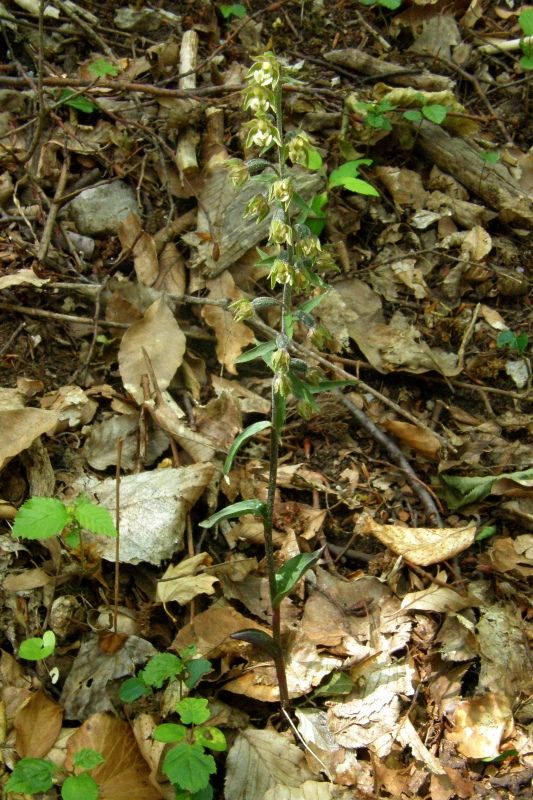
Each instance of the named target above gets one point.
<point>486,533</point>
<point>339,683</point>
<point>87,758</point>
<point>196,669</point>
<point>522,341</point>
<point>350,169</point>
<point>413,115</point>
<point>133,689</point>
<point>169,732</point>
<point>290,573</point>
<point>378,121</point>
<point>490,157</point>
<point>38,648</point>
<point>258,638</point>
<point>314,159</point>
<point>505,338</point>
<point>187,766</point>
<point>316,219</point>
<point>78,102</point>
<point>311,304</point>
<point>193,710</point>
<point>72,538</point>
<point>392,5</point>
<point>260,351</point>
<point>461,491</point>
<point>40,518</point>
<point>80,787</point>
<point>94,518</point>
<point>435,113</point>
<point>30,776</point>
<point>359,186</point>
<point>239,440</point>
<point>212,738</point>
<point>101,68</point>
<point>526,62</point>
<point>525,20</point>
<point>235,510</point>
<point>234,10</point>
<point>330,386</point>
<point>160,668</point>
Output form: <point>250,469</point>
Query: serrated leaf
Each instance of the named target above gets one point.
<point>78,102</point>
<point>40,518</point>
<point>211,737</point>
<point>80,787</point>
<point>235,510</point>
<point>290,573</point>
<point>169,732</point>
<point>193,710</point>
<point>94,518</point>
<point>435,113</point>
<point>260,351</point>
<point>160,668</point>
<point>87,758</point>
<point>30,776</point>
<point>233,10</point>
<point>187,766</point>
<point>101,68</point>
<point>239,440</point>
<point>133,689</point>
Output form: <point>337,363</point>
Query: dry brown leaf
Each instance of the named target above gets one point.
<point>37,724</point>
<point>422,546</point>
<point>181,582</point>
<point>168,416</point>
<point>172,278</point>
<point>132,237</point>
<point>437,599</point>
<point>160,336</point>
<point>480,724</point>
<point>422,441</point>
<point>210,632</point>
<point>124,775</point>
<point>26,580</point>
<point>21,276</point>
<point>19,427</point>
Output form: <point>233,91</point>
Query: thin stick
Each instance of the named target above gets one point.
<point>120,443</point>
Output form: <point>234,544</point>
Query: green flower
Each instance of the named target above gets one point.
<point>281,272</point>
<point>297,148</point>
<point>281,191</point>
<point>265,72</point>
<point>309,247</point>
<point>258,100</point>
<point>305,409</point>
<point>325,262</point>
<point>281,361</point>
<point>241,309</point>
<point>257,207</point>
<point>262,133</point>
<point>238,171</point>
<point>280,232</point>
<point>282,384</point>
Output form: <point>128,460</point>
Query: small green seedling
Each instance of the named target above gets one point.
<point>36,775</point>
<point>433,112</point>
<point>188,765</point>
<point>515,342</point>
<point>38,648</point>
<point>163,668</point>
<point>232,10</point>
<point>102,68</point>
<point>77,101</point>
<point>44,517</point>
<point>391,5</point>
<point>525,20</point>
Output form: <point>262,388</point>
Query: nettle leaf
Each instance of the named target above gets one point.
<point>78,102</point>
<point>239,440</point>
<point>101,68</point>
<point>235,510</point>
<point>40,518</point>
<point>87,758</point>
<point>160,668</point>
<point>169,732</point>
<point>193,710</point>
<point>435,113</point>
<point>30,776</point>
<point>211,737</point>
<point>196,669</point>
<point>290,573</point>
<point>133,689</point>
<point>38,648</point>
<point>260,351</point>
<point>80,787</point>
<point>94,518</point>
<point>189,767</point>
<point>413,115</point>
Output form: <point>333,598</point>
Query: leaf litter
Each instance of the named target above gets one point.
<point>407,647</point>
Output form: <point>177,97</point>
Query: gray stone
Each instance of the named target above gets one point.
<point>100,209</point>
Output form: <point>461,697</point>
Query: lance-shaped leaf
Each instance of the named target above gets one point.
<point>259,351</point>
<point>243,437</point>
<point>290,573</point>
<point>259,639</point>
<point>235,510</point>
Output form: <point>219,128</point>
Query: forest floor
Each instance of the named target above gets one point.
<point>407,646</point>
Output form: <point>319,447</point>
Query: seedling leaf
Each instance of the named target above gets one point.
<point>211,737</point>
<point>40,518</point>
<point>160,668</point>
<point>235,510</point>
<point>133,689</point>
<point>525,20</point>
<point>435,113</point>
<point>94,518</point>
<point>78,102</point>
<point>239,440</point>
<point>38,648</point>
<point>80,787</point>
<point>196,670</point>
<point>193,710</point>
<point>101,68</point>
<point>187,766</point>
<point>233,10</point>
<point>290,573</point>
<point>260,351</point>
<point>413,115</point>
<point>169,732</point>
<point>30,776</point>
<point>87,758</point>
